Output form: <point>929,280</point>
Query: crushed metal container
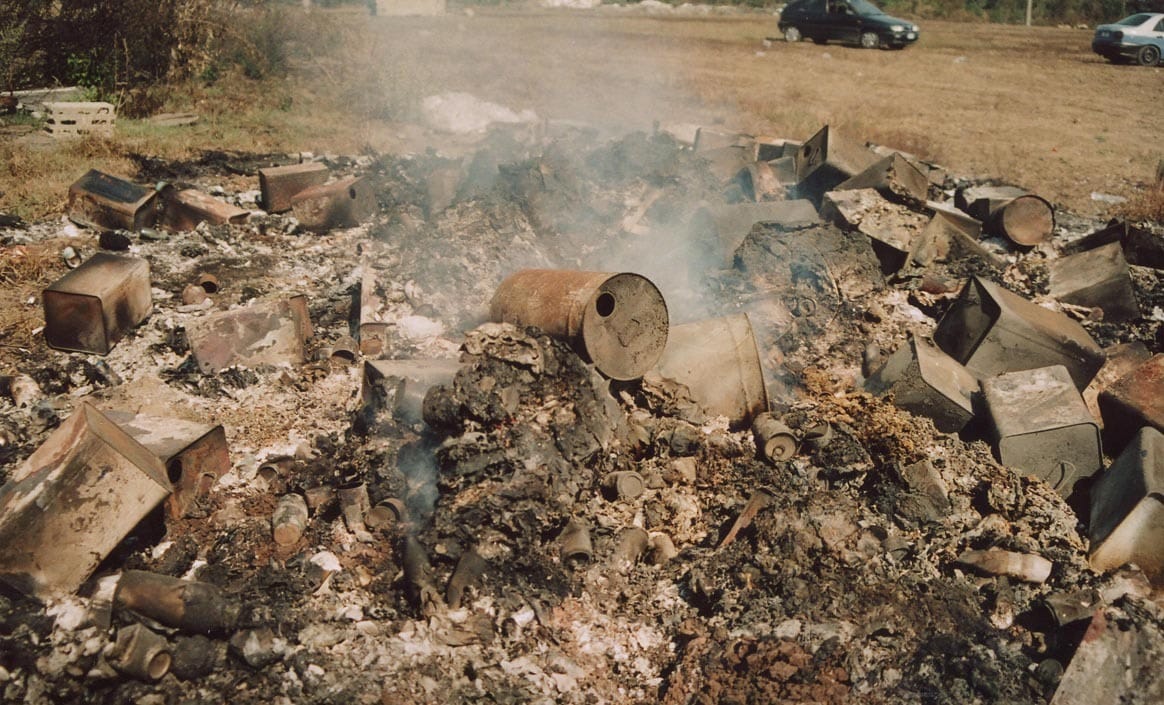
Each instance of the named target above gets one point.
<point>949,237</point>
<point>183,209</point>
<point>726,163</point>
<point>1096,278</point>
<point>1122,358</point>
<point>992,330</point>
<point>271,333</point>
<point>1042,427</point>
<point>827,159</point>
<point>894,177</point>
<point>1134,400</point>
<point>718,361</point>
<point>279,184</point>
<point>1127,508</point>
<point>92,307</point>
<point>342,204</point>
<point>72,501</point>
<point>730,223</point>
<point>105,202</point>
<point>1118,661</point>
<point>893,228</point>
<point>195,454</point>
<point>925,381</point>
<point>618,322</point>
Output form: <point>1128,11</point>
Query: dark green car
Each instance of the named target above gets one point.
<point>850,21</point>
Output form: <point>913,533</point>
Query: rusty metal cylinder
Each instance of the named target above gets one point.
<point>662,549</point>
<point>318,497</point>
<point>208,282</point>
<point>1027,220</point>
<point>354,504</point>
<point>774,440</point>
<point>289,519</point>
<point>188,605</point>
<point>624,484</point>
<point>575,542</point>
<point>718,361</point>
<point>140,653</point>
<point>619,322</point>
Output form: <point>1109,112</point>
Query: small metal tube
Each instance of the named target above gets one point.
<point>385,513</point>
<point>819,435</point>
<point>192,295</point>
<point>345,348</point>
<point>289,520</point>
<point>468,572</point>
<point>662,549</point>
<point>208,282</point>
<point>188,605</point>
<point>774,440</point>
<point>575,542</point>
<point>418,575</point>
<point>632,544</point>
<point>354,504</point>
<point>624,484</point>
<point>140,653</point>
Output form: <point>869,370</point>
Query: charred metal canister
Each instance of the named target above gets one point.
<point>92,307</point>
<point>1127,513</point>
<point>140,653</point>
<point>189,605</point>
<point>575,542</point>
<point>773,439</point>
<point>208,282</point>
<point>354,504</point>
<point>1042,426</point>
<point>662,549</point>
<point>718,361</point>
<point>619,322</point>
<point>992,330</point>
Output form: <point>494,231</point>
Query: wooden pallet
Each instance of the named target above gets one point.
<point>79,119</point>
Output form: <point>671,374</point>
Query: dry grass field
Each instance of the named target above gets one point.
<point>1028,106</point>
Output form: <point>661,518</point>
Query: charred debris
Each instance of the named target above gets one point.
<point>681,417</point>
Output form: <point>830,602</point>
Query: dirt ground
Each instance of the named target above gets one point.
<point>1033,107</point>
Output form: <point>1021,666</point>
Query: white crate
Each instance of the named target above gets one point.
<point>79,119</point>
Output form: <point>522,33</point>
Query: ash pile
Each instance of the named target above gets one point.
<point>680,417</point>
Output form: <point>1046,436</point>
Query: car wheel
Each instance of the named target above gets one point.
<point>870,40</point>
<point>792,34</point>
<point>1148,56</point>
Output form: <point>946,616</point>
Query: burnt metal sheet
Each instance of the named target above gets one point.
<point>948,237</point>
<point>105,202</point>
<point>1134,400</point>
<point>619,322</point>
<point>279,184</point>
<point>92,307</point>
<point>992,330</point>
<point>184,209</point>
<point>342,204</point>
<point>708,139</point>
<point>271,333</point>
<point>717,360</point>
<point>895,178</point>
<point>195,454</point>
<point>1118,661</point>
<point>726,163</point>
<point>72,501</point>
<point>372,331</point>
<point>1127,508</point>
<point>1096,278</point>
<point>925,381</point>
<point>1042,427</point>
<point>892,227</point>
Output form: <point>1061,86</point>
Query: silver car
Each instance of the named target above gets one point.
<point>1138,38</point>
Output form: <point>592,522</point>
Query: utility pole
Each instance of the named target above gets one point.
<point>1029,12</point>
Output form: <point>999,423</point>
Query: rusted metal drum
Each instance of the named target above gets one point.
<point>618,322</point>
<point>1027,220</point>
<point>718,361</point>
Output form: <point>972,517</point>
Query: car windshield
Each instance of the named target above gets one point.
<point>1133,21</point>
<point>864,7</point>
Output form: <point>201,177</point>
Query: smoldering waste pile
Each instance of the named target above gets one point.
<point>512,568</point>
